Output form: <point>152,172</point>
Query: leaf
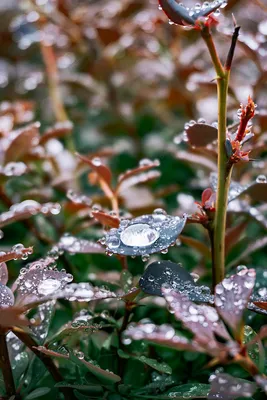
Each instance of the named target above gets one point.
<point>3,273</point>
<point>6,296</point>
<point>262,382</point>
<point>232,296</point>
<point>227,387</point>
<point>257,191</point>
<point>59,130</point>
<point>158,366</point>
<point>203,321</point>
<point>175,12</point>
<point>13,316</point>
<point>198,159</point>
<point>37,393</point>
<point>202,248</point>
<point>38,281</point>
<point>189,391</point>
<point>251,248</point>
<point>200,135</point>
<point>75,245</point>
<point>164,273</point>
<point>106,219</point>
<point>103,375</point>
<point>96,165</point>
<point>233,234</point>
<point>26,209</point>
<point>163,335</point>
<point>20,142</point>
<point>137,175</point>
<point>255,350</point>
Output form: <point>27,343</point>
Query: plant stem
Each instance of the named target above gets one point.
<point>6,366</point>
<point>50,366</point>
<point>224,172</point>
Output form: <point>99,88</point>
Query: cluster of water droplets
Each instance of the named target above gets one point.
<point>184,136</point>
<point>41,320</point>
<point>74,245</point>
<point>6,296</point>
<point>13,169</point>
<point>144,235</point>
<point>227,387</point>
<point>201,10</point>
<point>78,198</point>
<point>28,207</point>
<point>146,329</point>
<point>85,292</point>
<point>20,252</point>
<point>233,293</point>
<point>40,280</point>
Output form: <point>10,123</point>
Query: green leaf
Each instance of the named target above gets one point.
<point>107,377</point>
<point>189,391</point>
<point>126,280</point>
<point>38,393</point>
<point>161,367</point>
<point>255,350</point>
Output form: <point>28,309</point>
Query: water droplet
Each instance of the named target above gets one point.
<point>48,286</point>
<point>261,179</point>
<point>140,235</point>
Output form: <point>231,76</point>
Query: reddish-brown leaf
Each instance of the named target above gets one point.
<point>106,219</point>
<point>20,142</point>
<point>59,130</point>
<point>96,165</point>
<point>138,173</point>
<point>200,135</point>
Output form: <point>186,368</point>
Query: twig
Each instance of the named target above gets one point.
<point>6,366</point>
<point>230,56</point>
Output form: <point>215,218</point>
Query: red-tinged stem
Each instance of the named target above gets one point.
<point>6,366</point>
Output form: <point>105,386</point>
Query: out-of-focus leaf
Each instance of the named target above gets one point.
<point>233,234</point>
<point>227,387</point>
<point>200,135</point>
<point>26,209</point>
<point>75,245</point>
<point>232,296</point>
<point>20,142</point>
<point>195,158</point>
<point>37,393</point>
<point>12,169</point>
<point>201,247</point>
<point>12,316</point>
<point>137,175</point>
<point>162,335</point>
<point>3,273</point>
<point>106,219</point>
<point>96,165</point>
<point>60,129</point>
<point>262,382</point>
<point>251,248</point>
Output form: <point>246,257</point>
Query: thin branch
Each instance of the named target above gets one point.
<point>6,366</point>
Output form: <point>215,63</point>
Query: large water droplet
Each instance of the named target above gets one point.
<point>140,235</point>
<point>48,286</point>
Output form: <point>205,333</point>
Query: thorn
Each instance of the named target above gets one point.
<point>234,21</point>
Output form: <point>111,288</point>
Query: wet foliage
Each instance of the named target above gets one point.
<point>109,185</point>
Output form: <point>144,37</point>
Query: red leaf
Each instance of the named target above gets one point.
<point>106,219</point>
<point>102,170</point>
<point>200,135</point>
<point>59,130</point>
<point>3,273</point>
<point>20,142</point>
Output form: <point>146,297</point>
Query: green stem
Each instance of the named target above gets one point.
<point>6,366</point>
<point>224,171</point>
